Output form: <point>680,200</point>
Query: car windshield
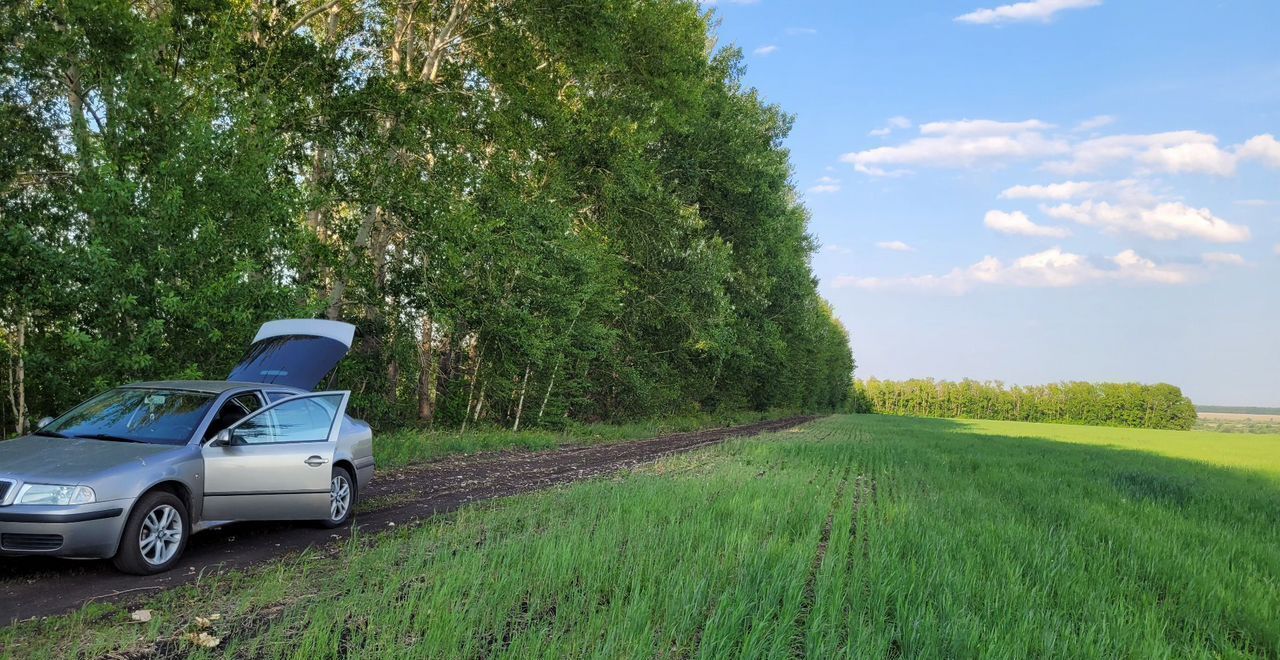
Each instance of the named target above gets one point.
<point>127,414</point>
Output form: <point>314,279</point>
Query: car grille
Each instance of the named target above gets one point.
<point>30,541</point>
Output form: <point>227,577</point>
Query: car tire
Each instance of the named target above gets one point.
<point>154,536</point>
<point>340,512</point>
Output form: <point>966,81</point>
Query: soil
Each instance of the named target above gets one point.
<point>39,587</point>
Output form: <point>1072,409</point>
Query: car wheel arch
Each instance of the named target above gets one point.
<point>172,486</point>
<point>350,467</point>
<point>181,490</point>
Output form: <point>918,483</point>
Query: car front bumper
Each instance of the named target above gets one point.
<point>88,531</point>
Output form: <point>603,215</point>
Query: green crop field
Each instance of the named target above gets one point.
<point>859,536</point>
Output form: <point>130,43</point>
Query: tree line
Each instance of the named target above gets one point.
<point>532,210</point>
<point>1134,405</point>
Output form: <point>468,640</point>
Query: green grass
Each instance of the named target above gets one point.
<point>856,536</point>
<point>409,446</point>
<point>1254,452</point>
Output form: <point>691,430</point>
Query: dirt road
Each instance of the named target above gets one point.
<point>39,587</point>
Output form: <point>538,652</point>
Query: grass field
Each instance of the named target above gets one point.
<point>1222,422</point>
<point>858,536</point>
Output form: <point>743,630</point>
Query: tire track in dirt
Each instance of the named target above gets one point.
<point>40,587</point>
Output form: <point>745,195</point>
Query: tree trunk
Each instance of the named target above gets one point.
<point>334,310</point>
<point>520,406</point>
<point>479,409</point>
<point>545,397</point>
<point>426,373</point>
<point>442,39</point>
<point>471,390</point>
<point>18,391</point>
<point>393,378</point>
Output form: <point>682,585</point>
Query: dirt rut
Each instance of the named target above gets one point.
<point>39,587</point>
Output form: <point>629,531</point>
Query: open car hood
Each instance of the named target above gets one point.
<point>295,352</point>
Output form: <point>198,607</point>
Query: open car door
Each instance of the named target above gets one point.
<point>276,463</point>
<point>295,352</point>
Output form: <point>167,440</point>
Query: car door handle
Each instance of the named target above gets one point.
<point>316,461</point>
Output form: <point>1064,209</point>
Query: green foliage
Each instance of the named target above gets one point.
<point>534,211</point>
<point>1131,405</point>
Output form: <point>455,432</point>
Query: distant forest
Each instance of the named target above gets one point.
<point>1132,405</point>
<point>1239,410</point>
<point>533,210</point>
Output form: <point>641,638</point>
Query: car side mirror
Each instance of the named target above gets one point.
<point>44,421</point>
<point>221,439</point>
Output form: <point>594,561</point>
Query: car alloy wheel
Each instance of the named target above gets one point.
<point>155,534</point>
<point>339,496</point>
<point>160,535</point>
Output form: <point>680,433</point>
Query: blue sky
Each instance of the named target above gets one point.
<point>1049,190</point>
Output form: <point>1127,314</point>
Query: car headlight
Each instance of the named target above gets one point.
<point>55,494</point>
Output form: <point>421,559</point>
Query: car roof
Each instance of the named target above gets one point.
<point>210,386</point>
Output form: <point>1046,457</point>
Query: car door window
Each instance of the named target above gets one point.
<point>234,410</point>
<point>304,420</point>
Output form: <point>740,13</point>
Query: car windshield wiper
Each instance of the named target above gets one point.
<point>107,436</point>
<point>51,434</point>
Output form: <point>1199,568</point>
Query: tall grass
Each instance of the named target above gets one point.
<point>855,536</point>
<point>408,446</point>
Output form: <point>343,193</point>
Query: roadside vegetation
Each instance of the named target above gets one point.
<point>409,446</point>
<point>534,211</point>
<point>1132,405</point>
<point>868,536</point>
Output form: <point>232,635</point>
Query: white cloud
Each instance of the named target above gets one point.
<point>1017,223</point>
<point>1094,154</point>
<point>825,184</point>
<point>1261,147</point>
<point>1175,152</point>
<point>1195,157</point>
<point>893,123</point>
<point>982,127</point>
<point>972,142</point>
<point>1130,266</point>
<point>878,171</point>
<point>1131,191</point>
<point>1165,221</point>
<point>960,144</point>
<point>1036,10</point>
<point>1055,191</point>
<point>895,246</point>
<point>766,50</point>
<point>1277,248</point>
<point>836,249</point>
<point>1051,268</point>
<point>1222,258</point>
<point>800,31</point>
<point>1094,123</point>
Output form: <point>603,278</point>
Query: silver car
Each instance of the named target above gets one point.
<point>133,472</point>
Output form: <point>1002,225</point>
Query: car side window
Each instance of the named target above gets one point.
<point>277,395</point>
<point>234,410</point>
<point>305,420</point>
